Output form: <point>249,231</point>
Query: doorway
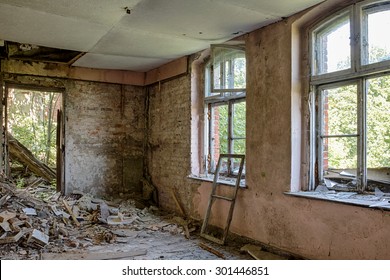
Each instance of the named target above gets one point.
<point>33,136</point>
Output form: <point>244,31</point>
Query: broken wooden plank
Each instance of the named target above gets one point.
<point>6,215</point>
<point>94,256</point>
<point>5,226</point>
<point>24,156</point>
<point>174,196</point>
<point>4,199</point>
<point>13,239</point>
<point>258,254</point>
<point>211,250</point>
<point>67,207</point>
<point>120,220</point>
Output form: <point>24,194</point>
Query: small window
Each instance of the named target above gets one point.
<point>376,38</point>
<point>332,48</point>
<point>225,106</point>
<point>227,71</point>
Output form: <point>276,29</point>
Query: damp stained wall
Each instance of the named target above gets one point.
<point>104,126</point>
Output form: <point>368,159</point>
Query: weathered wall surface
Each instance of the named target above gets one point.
<point>169,141</point>
<point>310,228</point>
<point>104,126</point>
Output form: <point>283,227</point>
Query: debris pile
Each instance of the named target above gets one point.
<point>31,226</point>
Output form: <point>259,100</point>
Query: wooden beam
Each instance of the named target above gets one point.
<point>167,71</point>
<point>20,153</point>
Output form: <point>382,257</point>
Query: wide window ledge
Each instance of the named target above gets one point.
<point>210,178</point>
<point>352,198</point>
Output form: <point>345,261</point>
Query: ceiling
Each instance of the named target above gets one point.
<point>136,35</point>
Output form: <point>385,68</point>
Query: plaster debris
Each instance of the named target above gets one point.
<point>321,188</point>
<point>111,230</point>
<point>329,183</point>
<point>30,211</point>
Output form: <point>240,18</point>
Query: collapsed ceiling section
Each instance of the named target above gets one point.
<point>136,35</point>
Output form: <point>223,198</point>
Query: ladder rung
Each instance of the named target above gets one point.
<point>223,197</point>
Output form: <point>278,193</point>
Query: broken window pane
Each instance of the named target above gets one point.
<point>376,43</point>
<point>332,46</point>
<point>219,137</point>
<point>339,130</point>
<point>378,128</point>
<point>340,154</point>
<point>239,116</point>
<point>340,110</point>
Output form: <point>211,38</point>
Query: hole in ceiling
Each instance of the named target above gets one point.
<point>31,52</point>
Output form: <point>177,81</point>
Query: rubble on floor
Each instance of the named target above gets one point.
<point>80,226</point>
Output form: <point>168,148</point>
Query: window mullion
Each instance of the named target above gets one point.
<point>320,131</point>
<point>359,33</point>
<point>230,134</point>
<point>362,144</point>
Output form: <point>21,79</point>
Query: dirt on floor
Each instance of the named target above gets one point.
<point>39,223</point>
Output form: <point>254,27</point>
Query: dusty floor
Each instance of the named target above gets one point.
<point>82,227</point>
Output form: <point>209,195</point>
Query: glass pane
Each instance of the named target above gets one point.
<point>229,68</point>
<point>236,167</point>
<point>239,117</point>
<point>239,72</point>
<point>340,156</point>
<point>332,43</point>
<point>218,76</point>
<point>219,137</point>
<point>239,146</point>
<point>340,110</point>
<point>377,42</point>
<point>378,128</point>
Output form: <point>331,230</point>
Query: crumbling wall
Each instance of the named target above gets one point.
<point>104,126</point>
<point>169,145</point>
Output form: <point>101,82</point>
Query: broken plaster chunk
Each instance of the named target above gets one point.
<point>321,189</point>
<point>104,211</point>
<point>378,192</point>
<point>30,211</point>
<point>39,238</point>
<point>329,183</point>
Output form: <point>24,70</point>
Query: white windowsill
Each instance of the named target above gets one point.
<point>352,198</point>
<point>210,178</point>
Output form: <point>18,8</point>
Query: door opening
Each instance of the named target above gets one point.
<point>32,125</point>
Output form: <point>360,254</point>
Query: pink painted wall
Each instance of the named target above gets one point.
<point>311,228</point>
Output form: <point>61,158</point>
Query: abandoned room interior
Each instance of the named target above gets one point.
<point>171,129</point>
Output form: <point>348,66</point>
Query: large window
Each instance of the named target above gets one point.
<point>225,106</point>
<point>350,79</point>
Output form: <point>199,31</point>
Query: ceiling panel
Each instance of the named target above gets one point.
<point>204,20</point>
<point>102,61</point>
<point>279,8</point>
<point>98,11</point>
<point>132,42</point>
<point>154,32</point>
<point>24,25</point>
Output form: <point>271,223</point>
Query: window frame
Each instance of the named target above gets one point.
<point>217,97</point>
<point>359,74</point>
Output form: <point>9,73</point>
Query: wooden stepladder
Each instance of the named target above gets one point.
<point>214,196</point>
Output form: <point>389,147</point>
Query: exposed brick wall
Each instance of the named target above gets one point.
<point>169,152</point>
<point>104,126</point>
